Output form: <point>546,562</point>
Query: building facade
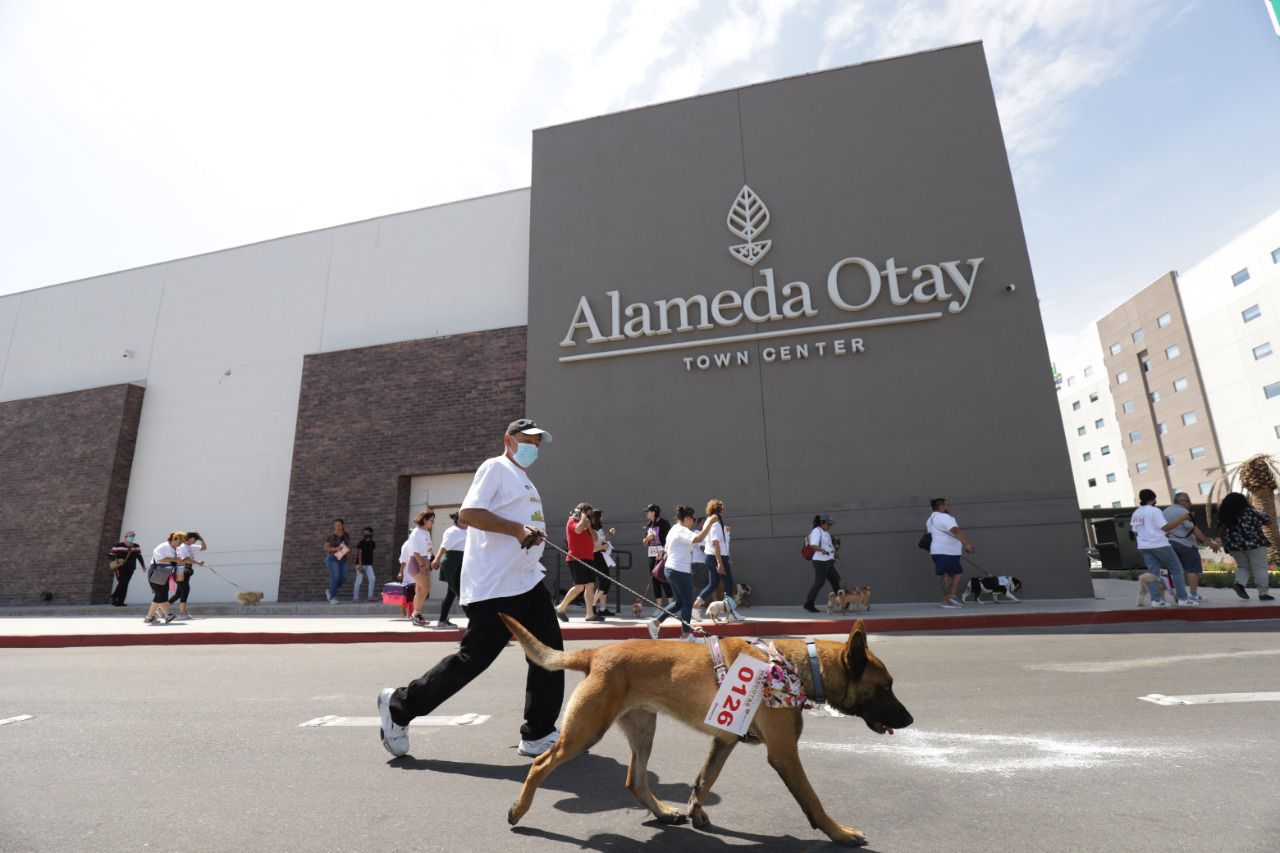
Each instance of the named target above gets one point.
<point>755,295</point>
<point>1095,443</point>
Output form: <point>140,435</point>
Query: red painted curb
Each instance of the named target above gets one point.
<point>762,627</point>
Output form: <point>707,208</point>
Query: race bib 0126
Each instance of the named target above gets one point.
<point>738,698</point>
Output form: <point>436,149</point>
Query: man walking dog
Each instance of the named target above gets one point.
<point>501,574</point>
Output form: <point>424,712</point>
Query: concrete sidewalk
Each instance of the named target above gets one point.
<point>61,627</point>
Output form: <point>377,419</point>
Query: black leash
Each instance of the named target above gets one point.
<point>228,580</point>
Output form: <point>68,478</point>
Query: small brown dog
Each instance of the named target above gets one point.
<point>631,681</point>
<point>859,597</point>
<point>247,598</point>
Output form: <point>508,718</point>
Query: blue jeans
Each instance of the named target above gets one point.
<point>1164,558</point>
<point>714,578</point>
<point>682,586</point>
<point>337,573</point>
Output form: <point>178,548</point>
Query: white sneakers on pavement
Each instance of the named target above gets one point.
<point>534,748</point>
<point>653,627</point>
<point>394,738</point>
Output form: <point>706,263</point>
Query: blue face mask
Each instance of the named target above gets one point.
<point>526,454</point>
<point>130,538</point>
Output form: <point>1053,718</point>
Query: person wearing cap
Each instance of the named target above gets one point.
<point>501,573</point>
<point>449,562</point>
<point>824,560</point>
<point>656,529</point>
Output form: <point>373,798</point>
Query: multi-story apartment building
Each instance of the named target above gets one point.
<point>1098,463</point>
<point>1232,301</point>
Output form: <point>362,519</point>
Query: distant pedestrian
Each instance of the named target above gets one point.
<point>406,583</point>
<point>824,560</point>
<point>679,545</point>
<point>364,565</point>
<point>601,559</point>
<point>126,558</point>
<point>1244,536</point>
<point>449,562</point>
<point>1185,540</point>
<point>1150,528</point>
<point>656,529</point>
<point>337,546</point>
<point>419,563</point>
<point>164,560</point>
<point>189,552</point>
<point>719,567</point>
<point>581,545</point>
<point>948,542</point>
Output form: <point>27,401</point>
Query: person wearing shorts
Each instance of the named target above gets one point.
<point>582,548</point>
<point>1183,539</point>
<point>164,560</point>
<point>947,544</point>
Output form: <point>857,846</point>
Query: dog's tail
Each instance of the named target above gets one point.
<point>542,654</point>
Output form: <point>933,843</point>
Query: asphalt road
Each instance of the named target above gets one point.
<point>1029,741</point>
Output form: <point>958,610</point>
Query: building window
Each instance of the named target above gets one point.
<point>1088,371</point>
<point>1093,396</point>
<point>1168,461</point>
<point>1075,406</point>
<point>1127,407</point>
<point>1071,380</point>
<point>1188,418</point>
<point>1277,430</point>
<point>1161,428</point>
<point>1097,506</point>
<point>1115,349</point>
<point>1164,320</point>
<point>1272,390</point>
<point>1197,453</point>
<point>1155,396</point>
<point>1087,456</point>
<point>1135,437</point>
<point>1141,467</point>
<point>1172,352</point>
<point>1093,482</point>
<point>1275,257</point>
<point>1122,377</point>
<point>1205,487</point>
<point>1111,478</point>
<point>1146,365</point>
<point>1240,277</point>
<point>1105,450</point>
<point>1137,336</point>
<point>1180,385</point>
<point>1080,430</point>
<point>1115,504</point>
<point>1261,351</point>
<point>1099,423</point>
<point>1251,313</point>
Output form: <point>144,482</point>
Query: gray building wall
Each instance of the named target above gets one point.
<point>899,159</point>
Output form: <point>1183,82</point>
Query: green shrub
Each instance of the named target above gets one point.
<point>1220,579</point>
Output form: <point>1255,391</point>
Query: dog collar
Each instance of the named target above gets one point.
<point>819,695</point>
<point>717,657</point>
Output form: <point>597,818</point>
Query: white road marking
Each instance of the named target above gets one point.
<point>1210,698</point>
<point>1143,663</point>
<point>459,720</point>
<point>7,720</point>
<point>962,753</point>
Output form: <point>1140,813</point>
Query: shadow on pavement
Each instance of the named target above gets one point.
<point>677,838</point>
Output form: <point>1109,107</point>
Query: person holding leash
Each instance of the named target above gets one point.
<point>188,558</point>
<point>719,569</point>
<point>501,574</point>
<point>164,560</point>
<point>678,547</point>
<point>824,559</point>
<point>946,546</point>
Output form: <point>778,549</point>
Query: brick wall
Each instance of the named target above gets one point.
<point>64,475</point>
<point>369,419</point>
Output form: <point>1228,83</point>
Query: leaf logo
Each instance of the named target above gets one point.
<point>748,217</point>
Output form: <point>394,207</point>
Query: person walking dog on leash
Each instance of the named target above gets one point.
<point>501,574</point>
<point>1152,532</point>
<point>948,542</point>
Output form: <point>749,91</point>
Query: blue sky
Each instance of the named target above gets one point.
<point>1142,133</point>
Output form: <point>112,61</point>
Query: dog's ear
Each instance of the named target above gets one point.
<point>855,650</point>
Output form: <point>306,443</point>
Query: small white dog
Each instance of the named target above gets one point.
<point>718,611</point>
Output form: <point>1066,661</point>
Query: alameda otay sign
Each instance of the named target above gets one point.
<point>853,284</point>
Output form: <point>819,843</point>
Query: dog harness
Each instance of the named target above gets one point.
<point>782,685</point>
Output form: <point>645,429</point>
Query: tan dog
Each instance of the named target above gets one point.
<point>858,597</point>
<point>629,682</point>
<point>247,598</point>
<point>718,611</point>
<point>1144,592</point>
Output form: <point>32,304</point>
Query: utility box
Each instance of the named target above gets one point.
<point>1126,547</point>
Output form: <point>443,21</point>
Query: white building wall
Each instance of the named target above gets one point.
<point>1084,377</point>
<point>218,340</point>
<point>1246,421</point>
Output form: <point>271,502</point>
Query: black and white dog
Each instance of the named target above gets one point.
<point>1005,585</point>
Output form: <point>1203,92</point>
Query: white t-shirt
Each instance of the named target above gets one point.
<point>699,555</point>
<point>454,539</point>
<point>1147,523</point>
<point>823,550</point>
<point>405,550</point>
<point>163,551</point>
<point>493,564</point>
<point>184,552</point>
<point>717,534</point>
<point>940,525</point>
<point>1182,534</point>
<point>420,541</point>
<point>679,549</point>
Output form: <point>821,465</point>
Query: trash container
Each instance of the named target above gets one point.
<point>1126,546</point>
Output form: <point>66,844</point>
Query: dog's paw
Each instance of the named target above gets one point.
<point>848,835</point>
<point>698,815</point>
<point>514,814</point>
<point>671,817</point>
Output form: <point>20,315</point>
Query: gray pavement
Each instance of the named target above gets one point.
<point>1025,741</point>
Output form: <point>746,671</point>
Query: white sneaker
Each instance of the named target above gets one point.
<point>697,615</point>
<point>1188,602</point>
<point>1159,602</point>
<point>653,627</point>
<point>334,601</point>
<point>534,748</point>
<point>328,596</point>
<point>394,738</point>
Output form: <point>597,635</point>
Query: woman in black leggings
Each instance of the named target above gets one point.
<point>824,560</point>
<point>164,560</point>
<point>188,558</point>
<point>449,562</point>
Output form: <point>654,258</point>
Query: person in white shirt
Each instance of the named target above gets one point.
<point>501,573</point>
<point>678,567</point>
<point>188,558</point>
<point>719,569</point>
<point>824,559</point>
<point>406,549</point>
<point>164,560</point>
<point>419,563</point>
<point>449,562</point>
<point>1149,527</point>
<point>947,544</point>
